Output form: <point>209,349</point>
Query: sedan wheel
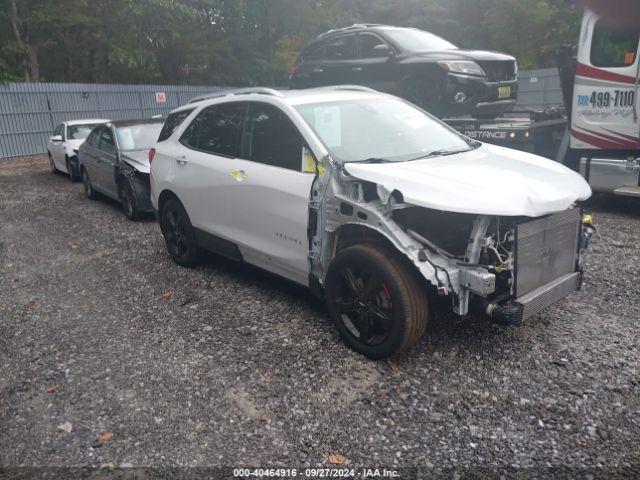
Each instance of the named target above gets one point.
<point>128,199</point>
<point>377,304</point>
<point>72,168</point>
<point>52,165</point>
<point>88,188</point>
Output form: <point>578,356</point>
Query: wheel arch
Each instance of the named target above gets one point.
<point>164,196</point>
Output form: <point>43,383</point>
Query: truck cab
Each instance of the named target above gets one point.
<point>604,125</point>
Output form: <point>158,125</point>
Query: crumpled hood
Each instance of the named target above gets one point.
<point>138,159</point>
<point>489,180</point>
<point>75,143</point>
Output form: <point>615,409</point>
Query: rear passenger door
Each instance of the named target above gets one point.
<point>202,172</point>
<point>270,194</point>
<point>339,61</point>
<point>106,163</point>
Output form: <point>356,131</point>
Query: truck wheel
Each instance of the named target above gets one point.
<point>128,200</point>
<point>72,168</point>
<point>88,188</point>
<point>179,234</point>
<point>377,303</point>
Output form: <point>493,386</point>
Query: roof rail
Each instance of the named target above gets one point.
<point>352,88</point>
<point>238,91</point>
<point>355,26</point>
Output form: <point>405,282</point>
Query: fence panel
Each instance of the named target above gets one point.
<point>29,112</point>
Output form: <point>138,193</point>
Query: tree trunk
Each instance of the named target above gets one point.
<point>33,63</point>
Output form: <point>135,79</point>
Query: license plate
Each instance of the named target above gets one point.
<point>504,92</point>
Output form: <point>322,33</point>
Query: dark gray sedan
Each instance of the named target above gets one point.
<point>114,161</point>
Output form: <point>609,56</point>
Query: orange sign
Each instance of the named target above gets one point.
<point>629,58</point>
<point>161,97</point>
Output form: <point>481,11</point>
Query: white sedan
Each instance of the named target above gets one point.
<point>63,145</point>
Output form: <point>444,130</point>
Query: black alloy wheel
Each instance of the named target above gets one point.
<point>377,303</point>
<point>128,200</point>
<point>88,188</point>
<point>179,234</point>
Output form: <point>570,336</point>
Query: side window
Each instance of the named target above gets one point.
<point>106,141</point>
<point>216,130</point>
<point>271,138</point>
<point>313,52</point>
<point>612,47</point>
<point>343,48</point>
<point>173,121</point>
<point>368,43</point>
<point>93,137</point>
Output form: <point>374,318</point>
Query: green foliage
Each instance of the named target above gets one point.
<point>246,42</point>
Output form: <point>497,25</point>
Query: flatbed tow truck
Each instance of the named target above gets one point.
<point>597,132</point>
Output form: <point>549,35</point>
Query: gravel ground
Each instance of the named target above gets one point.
<point>239,368</point>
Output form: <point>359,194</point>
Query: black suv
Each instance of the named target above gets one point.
<point>419,66</point>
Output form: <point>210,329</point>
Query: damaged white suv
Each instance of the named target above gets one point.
<point>370,202</point>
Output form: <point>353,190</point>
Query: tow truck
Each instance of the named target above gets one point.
<point>597,131</point>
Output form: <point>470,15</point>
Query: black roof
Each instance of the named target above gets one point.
<point>142,121</point>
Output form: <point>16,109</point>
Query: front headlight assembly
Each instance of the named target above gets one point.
<point>465,67</point>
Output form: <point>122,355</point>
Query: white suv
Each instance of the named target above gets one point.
<point>370,202</point>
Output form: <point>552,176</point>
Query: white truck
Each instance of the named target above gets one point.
<point>602,140</point>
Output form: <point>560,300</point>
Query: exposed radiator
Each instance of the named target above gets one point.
<point>546,249</point>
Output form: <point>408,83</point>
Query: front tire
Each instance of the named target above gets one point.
<point>52,165</point>
<point>72,168</point>
<point>179,234</point>
<point>88,188</point>
<point>377,304</point>
<point>128,200</point>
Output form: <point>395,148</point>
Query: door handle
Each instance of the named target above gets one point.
<point>356,69</point>
<point>181,160</point>
<point>318,70</point>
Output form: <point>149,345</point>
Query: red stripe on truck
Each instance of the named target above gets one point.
<point>593,72</point>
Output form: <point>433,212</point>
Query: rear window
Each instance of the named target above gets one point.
<point>173,121</point>
<point>216,130</point>
<point>313,52</point>
<point>138,137</point>
<point>611,47</point>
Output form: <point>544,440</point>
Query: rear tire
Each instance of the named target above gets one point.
<point>376,301</point>
<point>179,234</point>
<point>88,188</point>
<point>128,200</point>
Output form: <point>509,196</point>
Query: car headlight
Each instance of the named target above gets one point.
<point>466,67</point>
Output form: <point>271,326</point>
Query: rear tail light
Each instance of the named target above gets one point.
<point>152,153</point>
<point>293,70</point>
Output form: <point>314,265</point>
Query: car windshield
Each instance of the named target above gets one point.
<point>383,129</point>
<point>417,40</point>
<point>80,132</point>
<point>138,137</point>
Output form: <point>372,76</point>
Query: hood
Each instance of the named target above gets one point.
<point>456,54</point>
<point>75,143</point>
<point>489,180</point>
<point>138,159</point>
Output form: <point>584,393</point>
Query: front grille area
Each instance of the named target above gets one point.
<point>499,71</point>
<point>546,249</point>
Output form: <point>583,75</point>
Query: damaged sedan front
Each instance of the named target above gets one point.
<point>494,230</point>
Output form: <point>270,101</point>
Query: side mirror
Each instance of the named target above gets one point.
<point>56,138</point>
<point>383,50</point>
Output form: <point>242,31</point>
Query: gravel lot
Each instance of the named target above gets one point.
<point>239,368</point>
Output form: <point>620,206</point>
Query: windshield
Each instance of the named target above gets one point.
<point>385,129</point>
<point>417,40</point>
<point>138,137</point>
<point>80,132</point>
